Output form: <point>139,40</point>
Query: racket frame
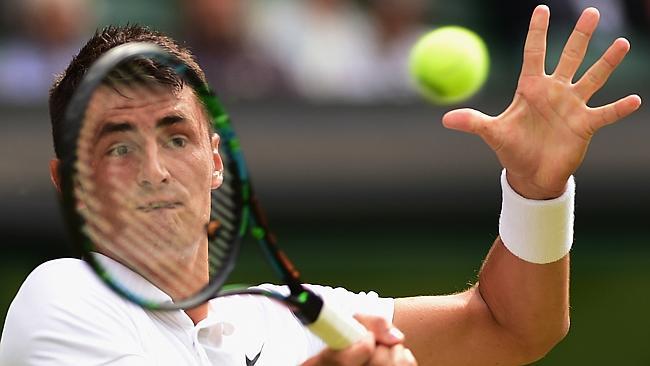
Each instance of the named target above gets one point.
<point>337,332</point>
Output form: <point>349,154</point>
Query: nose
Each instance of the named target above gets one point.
<point>153,171</point>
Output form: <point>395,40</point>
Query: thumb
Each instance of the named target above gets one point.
<point>466,120</point>
<point>385,333</point>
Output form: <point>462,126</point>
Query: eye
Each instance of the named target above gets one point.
<point>119,150</point>
<point>177,142</point>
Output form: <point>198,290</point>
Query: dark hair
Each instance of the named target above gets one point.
<point>67,82</point>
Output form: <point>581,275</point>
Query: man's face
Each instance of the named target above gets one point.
<point>151,161</point>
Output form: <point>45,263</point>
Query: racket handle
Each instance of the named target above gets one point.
<point>337,331</point>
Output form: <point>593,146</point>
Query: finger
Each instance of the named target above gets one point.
<point>535,46</point>
<point>613,112</point>
<point>598,73</point>
<point>409,358</point>
<point>468,120</point>
<point>576,47</point>
<point>355,355</point>
<point>382,356</point>
<point>396,355</point>
<point>385,333</point>
<point>401,356</point>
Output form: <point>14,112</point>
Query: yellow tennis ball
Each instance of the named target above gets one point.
<point>449,64</point>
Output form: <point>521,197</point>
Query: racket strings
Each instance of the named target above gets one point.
<point>129,247</point>
<point>154,251</point>
<point>159,266</point>
<point>225,216</point>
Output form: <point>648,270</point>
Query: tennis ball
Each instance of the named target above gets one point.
<point>449,64</point>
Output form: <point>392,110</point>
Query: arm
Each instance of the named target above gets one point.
<point>513,316</point>
<point>519,310</point>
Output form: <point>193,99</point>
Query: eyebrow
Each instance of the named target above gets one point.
<point>170,120</point>
<point>115,127</point>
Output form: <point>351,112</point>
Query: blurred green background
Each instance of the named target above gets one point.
<point>610,299</point>
<point>363,185</point>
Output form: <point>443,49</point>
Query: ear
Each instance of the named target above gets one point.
<point>55,175</point>
<point>217,171</point>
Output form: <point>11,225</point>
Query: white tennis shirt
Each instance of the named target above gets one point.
<point>64,315</point>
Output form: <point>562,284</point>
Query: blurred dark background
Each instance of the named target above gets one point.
<point>364,186</point>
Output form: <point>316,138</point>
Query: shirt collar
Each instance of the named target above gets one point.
<point>130,280</point>
<point>213,328</point>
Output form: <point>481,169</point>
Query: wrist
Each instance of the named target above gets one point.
<point>533,191</point>
<point>537,231</point>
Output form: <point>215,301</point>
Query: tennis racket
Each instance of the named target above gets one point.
<point>144,185</point>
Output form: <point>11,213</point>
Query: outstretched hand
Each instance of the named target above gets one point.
<point>542,137</point>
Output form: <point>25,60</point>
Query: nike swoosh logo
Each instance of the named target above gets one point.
<point>252,362</point>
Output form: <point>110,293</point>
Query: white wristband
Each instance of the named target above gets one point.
<point>537,231</point>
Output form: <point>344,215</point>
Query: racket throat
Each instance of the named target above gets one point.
<point>336,331</point>
<point>306,305</point>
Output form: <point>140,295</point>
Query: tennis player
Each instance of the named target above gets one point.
<point>518,311</point>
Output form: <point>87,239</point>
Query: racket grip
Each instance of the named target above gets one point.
<point>337,331</point>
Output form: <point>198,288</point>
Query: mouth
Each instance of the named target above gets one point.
<point>159,205</point>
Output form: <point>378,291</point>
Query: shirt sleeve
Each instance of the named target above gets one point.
<point>345,302</point>
<point>61,316</point>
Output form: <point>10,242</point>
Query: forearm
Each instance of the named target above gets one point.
<point>519,309</point>
<point>525,282</point>
<point>528,300</point>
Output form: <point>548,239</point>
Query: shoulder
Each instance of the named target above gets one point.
<point>62,268</point>
<point>61,308</point>
<point>66,282</point>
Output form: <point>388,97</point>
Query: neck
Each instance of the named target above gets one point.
<point>195,275</point>
<point>198,313</point>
